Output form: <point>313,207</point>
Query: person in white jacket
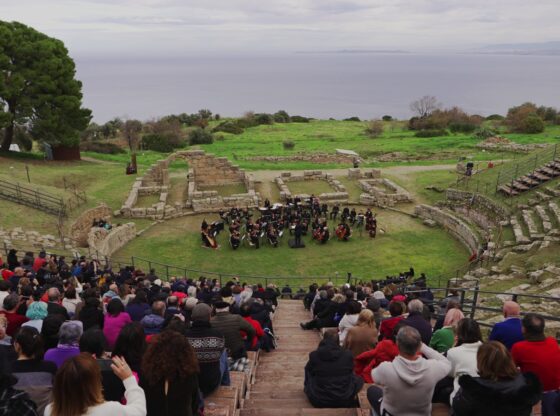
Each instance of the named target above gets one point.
<point>407,383</point>
<point>77,390</point>
<point>463,355</point>
<point>349,320</point>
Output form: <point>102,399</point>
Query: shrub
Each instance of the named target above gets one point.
<point>299,119</point>
<point>263,118</point>
<point>483,133</point>
<point>462,127</point>
<point>217,116</point>
<point>164,143</point>
<point>107,148</point>
<point>375,128</point>
<point>23,139</point>
<point>288,144</point>
<point>387,118</point>
<point>524,119</point>
<point>495,117</point>
<point>200,136</point>
<point>354,118</point>
<point>281,117</point>
<point>232,127</point>
<point>205,114</point>
<point>430,133</point>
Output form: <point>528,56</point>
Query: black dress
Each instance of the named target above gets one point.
<point>181,398</point>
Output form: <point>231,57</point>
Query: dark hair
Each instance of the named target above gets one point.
<point>395,308</point>
<point>245,310</point>
<point>331,335</point>
<point>93,341</point>
<point>468,331</point>
<point>115,307</point>
<point>11,301</point>
<point>141,297</point>
<point>225,292</point>
<point>131,344</point>
<point>70,293</point>
<point>494,362</point>
<point>30,342</point>
<point>177,325</point>
<point>5,285</point>
<point>169,356</point>
<point>77,386</point>
<point>353,307</point>
<point>533,324</point>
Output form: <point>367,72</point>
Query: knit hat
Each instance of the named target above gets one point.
<point>201,312</point>
<point>37,310</point>
<point>190,303</point>
<point>378,294</point>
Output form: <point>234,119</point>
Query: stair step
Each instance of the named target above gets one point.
<point>300,412</point>
<point>291,403</point>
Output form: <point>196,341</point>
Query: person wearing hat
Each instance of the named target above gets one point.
<point>230,325</point>
<point>209,346</point>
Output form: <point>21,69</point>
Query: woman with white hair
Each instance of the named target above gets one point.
<point>245,296</point>
<point>68,343</point>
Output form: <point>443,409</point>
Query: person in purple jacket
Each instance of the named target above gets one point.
<point>508,332</point>
<point>138,307</point>
<point>68,343</point>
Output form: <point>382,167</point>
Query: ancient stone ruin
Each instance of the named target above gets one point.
<point>103,243</point>
<point>378,191</point>
<point>205,171</point>
<point>79,230</point>
<point>339,194</point>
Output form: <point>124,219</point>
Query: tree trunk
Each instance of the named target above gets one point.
<point>8,137</point>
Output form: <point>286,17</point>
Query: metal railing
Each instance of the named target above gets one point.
<point>15,192</point>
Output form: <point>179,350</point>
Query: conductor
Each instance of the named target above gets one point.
<point>298,231</point>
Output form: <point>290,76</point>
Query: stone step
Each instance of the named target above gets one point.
<point>300,412</point>
<point>291,403</point>
<point>543,216</point>
<point>534,233</point>
<point>555,210</point>
<point>278,394</point>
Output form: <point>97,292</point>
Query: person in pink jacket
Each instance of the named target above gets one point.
<point>115,320</point>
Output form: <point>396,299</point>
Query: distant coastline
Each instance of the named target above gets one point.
<point>357,51</point>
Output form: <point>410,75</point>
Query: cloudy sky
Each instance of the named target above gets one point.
<point>136,27</point>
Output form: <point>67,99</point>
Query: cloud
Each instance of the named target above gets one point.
<point>161,26</point>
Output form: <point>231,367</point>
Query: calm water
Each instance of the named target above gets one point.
<point>318,85</point>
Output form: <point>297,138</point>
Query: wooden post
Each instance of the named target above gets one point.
<point>27,171</point>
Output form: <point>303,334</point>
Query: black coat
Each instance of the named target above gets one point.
<point>416,320</point>
<point>480,397</point>
<point>181,398</point>
<point>329,377</point>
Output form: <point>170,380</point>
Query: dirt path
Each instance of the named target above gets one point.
<point>269,175</point>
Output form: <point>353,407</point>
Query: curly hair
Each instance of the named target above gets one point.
<point>169,356</point>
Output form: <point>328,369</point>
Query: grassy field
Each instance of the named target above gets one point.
<point>309,187</point>
<point>406,243</point>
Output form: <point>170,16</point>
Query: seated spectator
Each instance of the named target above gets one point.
<point>441,317</point>
<point>209,346</point>
<point>68,343</point>
<point>539,355</point>
<point>93,342</point>
<point>508,332</point>
<point>15,320</point>
<point>444,338</point>
<point>349,320</point>
<point>91,314</point>
<point>287,291</point>
<point>453,296</point>
<point>375,306</point>
<point>254,345</point>
<point>138,307</point>
<point>34,375</point>
<point>36,313</point>
<point>4,290</point>
<point>363,336</point>
<point>380,296</point>
<point>153,322</point>
<point>385,350</point>
<point>5,339</point>
<point>54,306</point>
<point>417,320</point>
<point>14,401</point>
<point>115,320</point>
<point>325,310</point>
<point>230,326</point>
<point>406,385</point>
<point>169,376</point>
<point>70,300</point>
<point>396,310</point>
<point>500,390</point>
<point>463,356</point>
<point>78,390</point>
<point>310,296</point>
<point>329,378</point>
<point>131,345</point>
<point>50,329</point>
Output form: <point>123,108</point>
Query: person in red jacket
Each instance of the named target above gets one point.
<point>396,310</point>
<point>385,350</point>
<point>538,354</point>
<point>15,320</point>
<point>259,332</point>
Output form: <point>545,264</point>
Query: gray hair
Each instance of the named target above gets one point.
<point>70,332</point>
<point>245,296</point>
<point>409,340</point>
<point>322,294</point>
<point>415,305</point>
<point>191,291</point>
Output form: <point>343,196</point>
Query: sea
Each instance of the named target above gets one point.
<point>320,85</point>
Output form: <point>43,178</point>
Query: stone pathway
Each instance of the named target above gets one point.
<point>278,386</point>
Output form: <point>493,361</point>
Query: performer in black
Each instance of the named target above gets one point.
<point>235,240</point>
<point>298,232</point>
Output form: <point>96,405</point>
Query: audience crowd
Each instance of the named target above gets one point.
<point>78,339</point>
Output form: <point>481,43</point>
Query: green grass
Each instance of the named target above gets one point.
<point>309,187</point>
<point>146,201</point>
<point>227,190</point>
<point>177,242</point>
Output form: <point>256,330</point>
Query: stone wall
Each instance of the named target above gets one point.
<point>104,242</point>
<point>210,170</point>
<point>30,239</point>
<point>357,173</point>
<point>339,194</point>
<point>382,192</point>
<point>458,228</point>
<point>80,228</point>
<point>478,202</point>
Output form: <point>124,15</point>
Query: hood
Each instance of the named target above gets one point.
<point>411,372</point>
<point>329,350</point>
